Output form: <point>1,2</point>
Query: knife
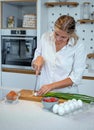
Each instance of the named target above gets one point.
<point>35,87</point>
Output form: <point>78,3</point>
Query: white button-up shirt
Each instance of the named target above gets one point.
<point>67,62</point>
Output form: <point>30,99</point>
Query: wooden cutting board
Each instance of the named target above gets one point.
<point>28,95</point>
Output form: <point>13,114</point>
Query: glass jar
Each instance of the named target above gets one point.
<point>86,10</point>
<point>10,22</point>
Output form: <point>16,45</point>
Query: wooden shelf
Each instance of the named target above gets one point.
<point>90,55</point>
<point>88,78</point>
<point>85,21</point>
<point>52,4</point>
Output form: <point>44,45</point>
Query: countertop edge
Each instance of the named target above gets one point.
<point>30,71</point>
<point>16,70</point>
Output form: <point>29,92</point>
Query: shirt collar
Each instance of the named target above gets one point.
<point>52,36</point>
<point>71,42</point>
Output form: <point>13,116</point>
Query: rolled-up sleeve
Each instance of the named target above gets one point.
<point>78,65</point>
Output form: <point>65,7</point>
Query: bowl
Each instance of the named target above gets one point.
<point>49,102</point>
<point>11,97</point>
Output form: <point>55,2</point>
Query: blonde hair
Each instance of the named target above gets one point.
<point>67,23</point>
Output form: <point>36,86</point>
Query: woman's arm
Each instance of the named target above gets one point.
<point>38,59</point>
<point>74,77</point>
<point>37,64</point>
<point>79,64</point>
<point>56,85</point>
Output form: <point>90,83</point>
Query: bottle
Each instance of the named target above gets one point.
<point>86,10</point>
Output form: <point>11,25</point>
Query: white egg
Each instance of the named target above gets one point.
<point>80,103</point>
<point>61,111</point>
<point>61,104</point>
<point>67,108</point>
<point>73,100</point>
<point>65,103</point>
<point>55,108</point>
<point>71,106</point>
<point>69,101</point>
<point>76,105</point>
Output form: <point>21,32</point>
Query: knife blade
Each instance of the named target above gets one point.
<point>35,87</point>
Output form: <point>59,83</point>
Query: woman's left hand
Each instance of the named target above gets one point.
<point>44,89</point>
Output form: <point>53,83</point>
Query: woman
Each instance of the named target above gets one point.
<point>60,58</point>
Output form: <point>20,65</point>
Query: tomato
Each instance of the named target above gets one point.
<point>51,99</point>
<point>12,95</point>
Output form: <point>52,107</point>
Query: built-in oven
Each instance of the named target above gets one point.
<point>18,47</point>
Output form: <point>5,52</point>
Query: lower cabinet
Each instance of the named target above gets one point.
<point>17,80</point>
<point>87,87</point>
<point>27,81</point>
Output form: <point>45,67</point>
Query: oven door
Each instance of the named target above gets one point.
<point>18,50</point>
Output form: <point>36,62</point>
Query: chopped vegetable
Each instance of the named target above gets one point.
<point>67,96</point>
<point>50,99</point>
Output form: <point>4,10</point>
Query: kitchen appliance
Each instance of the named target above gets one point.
<point>18,47</point>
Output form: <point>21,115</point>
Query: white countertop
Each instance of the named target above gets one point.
<point>28,115</point>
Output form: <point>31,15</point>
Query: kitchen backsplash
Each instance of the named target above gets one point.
<point>84,31</point>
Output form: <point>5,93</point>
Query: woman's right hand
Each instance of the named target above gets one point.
<point>37,64</point>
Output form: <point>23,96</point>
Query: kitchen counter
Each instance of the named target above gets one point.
<point>29,115</point>
<point>16,70</point>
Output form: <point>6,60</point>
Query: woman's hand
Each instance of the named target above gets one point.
<point>55,85</point>
<point>44,89</point>
<point>37,64</point>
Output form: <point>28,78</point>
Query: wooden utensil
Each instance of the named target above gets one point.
<point>28,95</point>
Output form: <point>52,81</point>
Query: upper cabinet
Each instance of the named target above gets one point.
<point>18,14</point>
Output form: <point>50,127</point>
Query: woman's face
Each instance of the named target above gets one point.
<point>60,36</point>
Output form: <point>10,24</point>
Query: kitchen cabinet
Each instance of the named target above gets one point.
<point>0,57</point>
<point>87,87</point>
<point>17,9</point>
<point>20,81</point>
